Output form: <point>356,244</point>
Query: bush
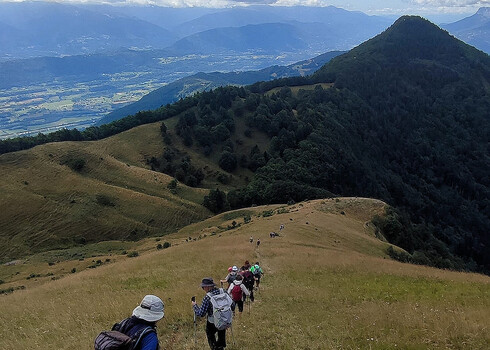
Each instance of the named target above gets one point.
<point>133,254</point>
<point>104,200</point>
<point>399,255</point>
<point>159,246</point>
<point>166,245</point>
<point>173,185</point>
<point>216,201</point>
<point>73,270</point>
<point>76,164</point>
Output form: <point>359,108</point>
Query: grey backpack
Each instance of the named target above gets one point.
<point>116,339</point>
<point>222,314</point>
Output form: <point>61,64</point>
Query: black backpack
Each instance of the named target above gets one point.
<point>116,339</point>
<point>248,280</point>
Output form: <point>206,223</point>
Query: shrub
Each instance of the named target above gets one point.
<point>399,255</point>
<point>166,245</point>
<point>104,200</point>
<point>76,164</point>
<point>267,213</point>
<point>173,185</point>
<point>73,270</point>
<point>133,254</point>
<point>159,246</point>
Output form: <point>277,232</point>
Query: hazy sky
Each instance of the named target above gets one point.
<point>442,8</point>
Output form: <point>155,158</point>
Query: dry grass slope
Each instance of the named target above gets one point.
<point>328,285</point>
<point>45,203</point>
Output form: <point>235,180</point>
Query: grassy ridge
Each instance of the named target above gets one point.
<point>328,284</point>
<point>111,195</point>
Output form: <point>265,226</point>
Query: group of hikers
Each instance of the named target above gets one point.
<point>138,332</point>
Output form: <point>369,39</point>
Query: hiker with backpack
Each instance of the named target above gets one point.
<point>257,272</point>
<point>231,276</point>
<point>248,281</point>
<point>137,332</point>
<point>216,305</point>
<point>236,290</point>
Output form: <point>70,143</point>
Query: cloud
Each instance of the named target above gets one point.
<point>451,3</point>
<point>255,2</point>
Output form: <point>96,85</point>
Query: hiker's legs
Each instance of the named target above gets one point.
<point>221,343</point>
<point>240,305</point>
<point>252,298</point>
<point>211,334</point>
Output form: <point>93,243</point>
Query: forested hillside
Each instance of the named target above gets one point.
<point>406,122</point>
<point>403,118</point>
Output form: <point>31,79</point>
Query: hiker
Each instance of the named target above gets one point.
<point>258,242</point>
<point>247,265</point>
<point>248,281</point>
<point>281,227</point>
<point>257,272</point>
<point>272,234</point>
<point>251,239</point>
<point>231,276</point>
<point>141,326</point>
<point>236,290</point>
<point>206,309</point>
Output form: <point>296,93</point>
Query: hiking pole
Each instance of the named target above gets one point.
<point>195,325</point>
<point>232,336</point>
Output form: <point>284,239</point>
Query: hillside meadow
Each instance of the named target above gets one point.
<point>68,193</point>
<point>328,284</point>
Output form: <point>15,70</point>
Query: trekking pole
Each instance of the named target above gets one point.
<point>195,325</point>
<point>232,336</point>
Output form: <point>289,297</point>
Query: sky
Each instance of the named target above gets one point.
<point>432,9</point>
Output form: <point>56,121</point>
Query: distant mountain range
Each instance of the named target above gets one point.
<point>474,30</point>
<point>54,29</point>
<point>30,29</point>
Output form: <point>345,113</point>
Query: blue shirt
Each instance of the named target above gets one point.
<point>149,341</point>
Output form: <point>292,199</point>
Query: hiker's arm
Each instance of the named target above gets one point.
<point>230,288</point>
<point>244,290</point>
<point>203,310</point>
<point>226,279</point>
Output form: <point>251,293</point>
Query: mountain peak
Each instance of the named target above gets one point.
<point>484,11</point>
<point>410,44</point>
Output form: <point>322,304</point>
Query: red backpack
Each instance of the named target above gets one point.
<point>236,293</point>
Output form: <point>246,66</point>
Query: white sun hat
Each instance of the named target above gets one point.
<point>150,309</point>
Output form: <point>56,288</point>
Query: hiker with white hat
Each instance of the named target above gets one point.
<point>138,331</point>
<point>231,276</point>
<point>213,324</point>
